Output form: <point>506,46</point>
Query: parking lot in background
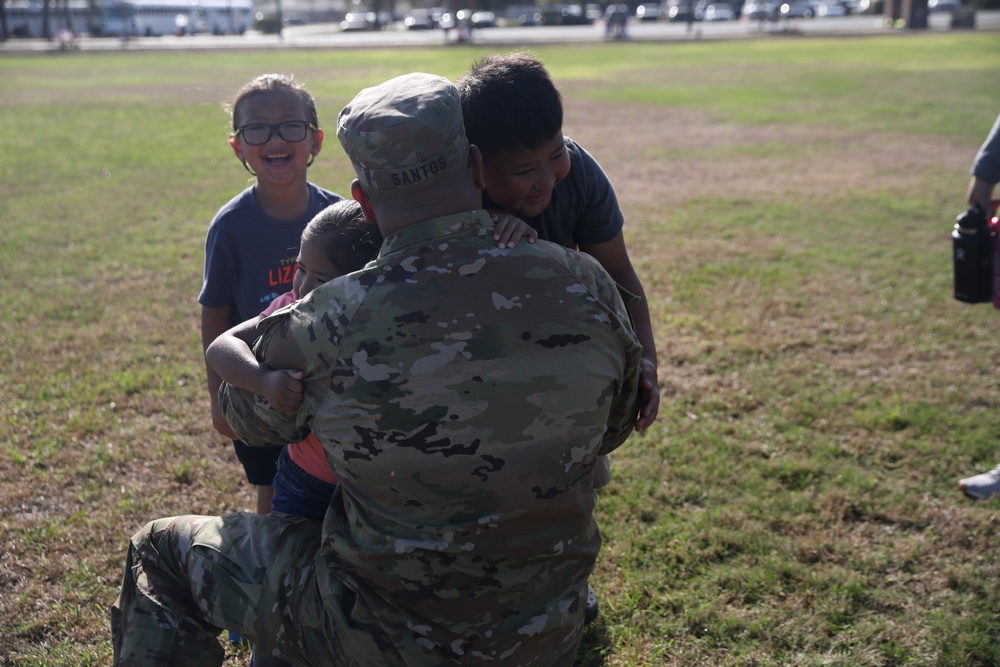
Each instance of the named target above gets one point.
<point>543,28</point>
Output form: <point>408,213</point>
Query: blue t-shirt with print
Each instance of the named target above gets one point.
<point>250,256</point>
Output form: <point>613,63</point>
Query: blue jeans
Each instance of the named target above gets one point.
<point>299,493</point>
<point>258,462</point>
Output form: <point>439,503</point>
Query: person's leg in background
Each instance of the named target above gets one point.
<point>982,486</point>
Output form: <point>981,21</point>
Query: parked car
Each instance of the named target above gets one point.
<point>423,19</point>
<point>680,10</point>
<point>355,21</point>
<point>965,15</point>
<point>648,11</point>
<point>756,10</point>
<point>797,9</point>
<point>830,9</point>
<point>563,15</point>
<point>460,22</point>
<point>593,11</point>
<point>530,17</point>
<point>718,11</point>
<point>483,19</point>
<point>295,18</point>
<point>447,21</point>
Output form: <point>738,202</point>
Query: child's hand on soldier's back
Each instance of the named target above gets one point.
<point>509,230</point>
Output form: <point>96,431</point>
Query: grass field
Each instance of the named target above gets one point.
<point>788,203</point>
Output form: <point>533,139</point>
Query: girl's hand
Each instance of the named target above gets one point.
<point>508,230</point>
<point>283,389</point>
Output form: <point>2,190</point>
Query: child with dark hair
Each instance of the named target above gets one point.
<point>514,114</point>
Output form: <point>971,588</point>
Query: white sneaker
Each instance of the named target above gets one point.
<point>980,487</point>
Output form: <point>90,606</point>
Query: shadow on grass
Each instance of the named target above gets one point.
<point>595,645</point>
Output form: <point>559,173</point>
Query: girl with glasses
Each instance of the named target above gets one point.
<point>253,241</point>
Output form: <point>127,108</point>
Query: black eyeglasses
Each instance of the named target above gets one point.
<point>292,131</point>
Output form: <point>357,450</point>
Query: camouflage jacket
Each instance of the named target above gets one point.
<point>462,393</point>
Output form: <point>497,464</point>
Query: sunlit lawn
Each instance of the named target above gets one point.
<point>788,206</point>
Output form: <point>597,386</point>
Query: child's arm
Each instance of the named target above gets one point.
<point>230,355</point>
<point>214,321</point>
<point>508,230</point>
<point>613,256</point>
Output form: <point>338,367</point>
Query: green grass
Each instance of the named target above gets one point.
<point>795,503</point>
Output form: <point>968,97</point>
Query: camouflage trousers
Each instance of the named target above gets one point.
<point>186,578</point>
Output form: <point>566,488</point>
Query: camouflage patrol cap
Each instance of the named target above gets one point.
<point>404,132</point>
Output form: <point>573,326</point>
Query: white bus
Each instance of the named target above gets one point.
<point>151,18</point>
<point>133,18</point>
<point>24,17</point>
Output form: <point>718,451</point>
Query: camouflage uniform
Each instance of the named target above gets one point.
<point>463,394</point>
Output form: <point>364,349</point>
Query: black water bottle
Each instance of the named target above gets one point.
<point>973,257</point>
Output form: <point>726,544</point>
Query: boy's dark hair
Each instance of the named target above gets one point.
<point>347,239</point>
<point>509,101</point>
<point>266,83</point>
